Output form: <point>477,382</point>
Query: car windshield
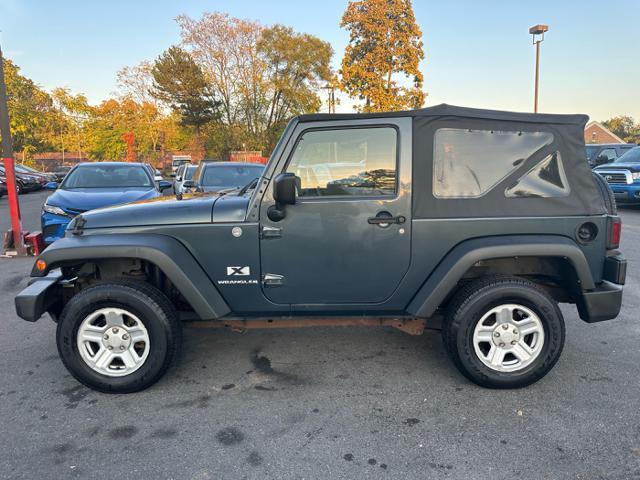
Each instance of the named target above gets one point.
<point>591,151</point>
<point>188,174</point>
<point>23,169</point>
<point>630,156</point>
<point>107,176</point>
<point>229,176</point>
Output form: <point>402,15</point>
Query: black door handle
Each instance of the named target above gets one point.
<point>385,220</point>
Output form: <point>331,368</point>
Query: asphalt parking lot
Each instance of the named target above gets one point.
<point>322,403</point>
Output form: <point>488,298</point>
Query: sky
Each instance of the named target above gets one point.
<point>477,53</point>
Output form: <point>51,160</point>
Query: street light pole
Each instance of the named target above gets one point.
<point>537,32</point>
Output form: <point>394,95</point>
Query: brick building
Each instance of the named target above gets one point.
<point>595,132</point>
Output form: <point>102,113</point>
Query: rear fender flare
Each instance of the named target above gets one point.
<point>443,280</point>
<point>167,253</point>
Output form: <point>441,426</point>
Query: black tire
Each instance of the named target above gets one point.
<point>479,297</point>
<point>606,193</point>
<point>154,310</point>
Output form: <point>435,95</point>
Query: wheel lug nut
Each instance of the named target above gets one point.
<point>125,337</point>
<point>114,330</point>
<point>106,337</point>
<point>497,334</point>
<point>110,347</point>
<point>505,326</point>
<point>501,344</point>
<point>513,342</point>
<point>515,331</point>
<point>121,347</point>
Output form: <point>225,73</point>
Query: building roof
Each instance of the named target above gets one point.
<point>605,129</point>
<point>454,111</point>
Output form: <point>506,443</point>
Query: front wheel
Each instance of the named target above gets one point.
<point>118,337</point>
<point>503,332</point>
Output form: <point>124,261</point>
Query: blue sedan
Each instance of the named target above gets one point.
<point>95,185</point>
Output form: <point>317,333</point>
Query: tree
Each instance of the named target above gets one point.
<point>296,67</point>
<point>625,127</point>
<point>29,106</point>
<point>179,81</point>
<point>67,121</point>
<point>262,76</point>
<point>385,46</point>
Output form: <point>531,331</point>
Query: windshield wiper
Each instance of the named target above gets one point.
<point>248,186</point>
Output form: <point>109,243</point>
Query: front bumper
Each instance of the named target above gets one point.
<point>626,193</point>
<point>38,297</point>
<point>53,227</point>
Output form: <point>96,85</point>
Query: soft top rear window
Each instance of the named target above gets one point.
<point>469,163</point>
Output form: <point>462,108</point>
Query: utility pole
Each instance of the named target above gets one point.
<point>537,32</point>
<point>14,239</point>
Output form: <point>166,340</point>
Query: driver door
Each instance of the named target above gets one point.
<point>347,238</point>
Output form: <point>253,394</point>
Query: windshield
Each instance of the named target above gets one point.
<point>591,151</point>
<point>188,174</point>
<point>107,176</point>
<point>630,156</point>
<point>229,176</point>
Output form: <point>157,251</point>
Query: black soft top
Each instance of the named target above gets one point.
<point>443,110</point>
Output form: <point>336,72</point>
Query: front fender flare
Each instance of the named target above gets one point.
<point>167,253</point>
<point>450,270</point>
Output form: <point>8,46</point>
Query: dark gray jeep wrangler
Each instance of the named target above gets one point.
<point>477,222</point>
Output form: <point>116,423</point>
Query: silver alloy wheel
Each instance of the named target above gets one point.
<point>113,342</point>
<point>508,337</point>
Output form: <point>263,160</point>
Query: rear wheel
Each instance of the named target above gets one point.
<point>503,332</point>
<point>118,337</point>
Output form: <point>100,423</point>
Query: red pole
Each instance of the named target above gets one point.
<point>7,157</point>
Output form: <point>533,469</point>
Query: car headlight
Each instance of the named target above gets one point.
<point>55,210</point>
<point>635,175</point>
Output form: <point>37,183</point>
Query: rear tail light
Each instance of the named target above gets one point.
<point>615,231</point>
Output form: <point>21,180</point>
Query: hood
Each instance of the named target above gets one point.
<point>634,167</point>
<point>83,199</point>
<point>167,210</point>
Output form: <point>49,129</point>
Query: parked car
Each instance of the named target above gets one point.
<point>61,172</point>
<point>623,176</point>
<point>178,160</point>
<point>602,153</point>
<point>154,172</point>
<point>214,176</point>
<point>24,183</point>
<point>184,173</point>
<point>42,176</point>
<point>477,222</point>
<point>94,185</point>
<point>3,186</point>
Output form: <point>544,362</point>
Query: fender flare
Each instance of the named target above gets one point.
<point>171,256</point>
<point>450,270</point>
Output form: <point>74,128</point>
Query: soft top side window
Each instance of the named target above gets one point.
<point>469,163</point>
<point>346,162</point>
<point>547,179</point>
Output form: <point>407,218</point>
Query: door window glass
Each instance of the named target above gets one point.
<point>609,154</point>
<point>348,162</point>
<point>547,179</point>
<point>468,163</point>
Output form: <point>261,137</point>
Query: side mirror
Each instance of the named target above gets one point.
<point>163,185</point>
<point>178,178</point>
<point>51,185</point>
<point>284,193</point>
<point>602,159</point>
<point>284,189</point>
<point>189,184</point>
